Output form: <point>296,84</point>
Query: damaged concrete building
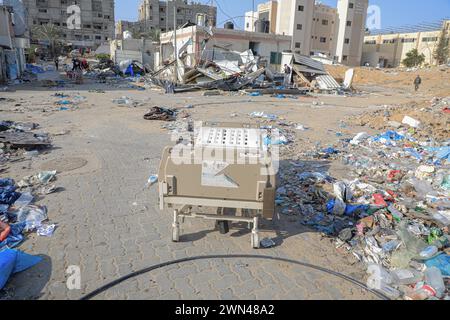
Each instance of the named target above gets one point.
<point>198,42</point>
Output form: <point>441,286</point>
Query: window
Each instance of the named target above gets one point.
<point>387,41</point>
<point>98,26</point>
<point>297,45</point>
<point>57,24</point>
<point>324,22</point>
<point>351,5</point>
<point>275,58</point>
<point>370,42</point>
<point>347,41</point>
<point>344,58</point>
<point>349,23</point>
<point>248,25</point>
<point>430,39</point>
<point>98,37</point>
<point>323,39</point>
<point>96,6</point>
<point>301,8</point>
<point>87,37</point>
<point>408,40</point>
<point>43,10</point>
<point>87,26</point>
<point>162,19</point>
<point>162,10</point>
<point>299,26</point>
<point>78,37</point>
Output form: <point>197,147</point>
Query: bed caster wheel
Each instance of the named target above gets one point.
<point>224,227</point>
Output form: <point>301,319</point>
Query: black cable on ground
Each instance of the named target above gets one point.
<point>231,256</point>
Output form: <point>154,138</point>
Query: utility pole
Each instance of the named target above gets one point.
<point>175,51</point>
<point>253,16</point>
<point>167,16</point>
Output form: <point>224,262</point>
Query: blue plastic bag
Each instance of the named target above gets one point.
<point>442,262</point>
<point>13,261</point>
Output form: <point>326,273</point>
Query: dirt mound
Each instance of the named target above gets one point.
<point>435,80</point>
<point>435,121</point>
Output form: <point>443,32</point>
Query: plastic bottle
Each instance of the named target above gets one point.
<point>406,276</point>
<point>428,252</point>
<point>380,279</point>
<point>433,277</point>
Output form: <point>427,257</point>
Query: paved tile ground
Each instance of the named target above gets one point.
<point>109,223</point>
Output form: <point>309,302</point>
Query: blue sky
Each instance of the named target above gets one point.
<point>393,12</point>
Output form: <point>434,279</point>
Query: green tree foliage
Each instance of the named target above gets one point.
<point>413,59</point>
<point>49,33</point>
<point>441,53</point>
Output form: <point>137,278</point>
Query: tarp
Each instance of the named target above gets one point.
<point>13,261</point>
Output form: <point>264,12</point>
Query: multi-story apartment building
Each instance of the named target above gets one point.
<point>315,28</point>
<point>389,49</point>
<point>157,14</point>
<point>96,20</point>
<point>351,29</point>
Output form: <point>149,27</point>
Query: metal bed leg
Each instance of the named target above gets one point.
<point>255,235</point>
<point>175,227</point>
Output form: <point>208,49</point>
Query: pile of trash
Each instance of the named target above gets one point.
<point>422,121</point>
<point>17,139</point>
<point>19,217</point>
<point>66,101</point>
<point>392,214</point>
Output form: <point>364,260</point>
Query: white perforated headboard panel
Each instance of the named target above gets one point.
<point>229,138</point>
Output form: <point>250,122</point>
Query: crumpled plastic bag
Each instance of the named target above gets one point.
<point>32,216</point>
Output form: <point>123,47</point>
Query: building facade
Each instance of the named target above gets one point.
<point>352,16</point>
<point>160,15</point>
<point>389,50</point>
<point>197,41</point>
<point>315,28</point>
<point>96,20</point>
<point>13,42</point>
<point>264,19</point>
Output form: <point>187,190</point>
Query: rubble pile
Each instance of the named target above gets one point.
<point>228,70</point>
<point>18,140</point>
<point>393,212</point>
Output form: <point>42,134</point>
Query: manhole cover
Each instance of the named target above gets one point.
<point>64,164</point>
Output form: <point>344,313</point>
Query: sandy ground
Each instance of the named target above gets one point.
<point>110,225</point>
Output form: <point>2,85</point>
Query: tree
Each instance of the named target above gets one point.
<point>441,54</point>
<point>413,59</point>
<point>49,33</point>
<point>152,34</point>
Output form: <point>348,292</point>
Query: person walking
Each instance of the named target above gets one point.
<point>287,75</point>
<point>417,82</point>
<point>57,63</point>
